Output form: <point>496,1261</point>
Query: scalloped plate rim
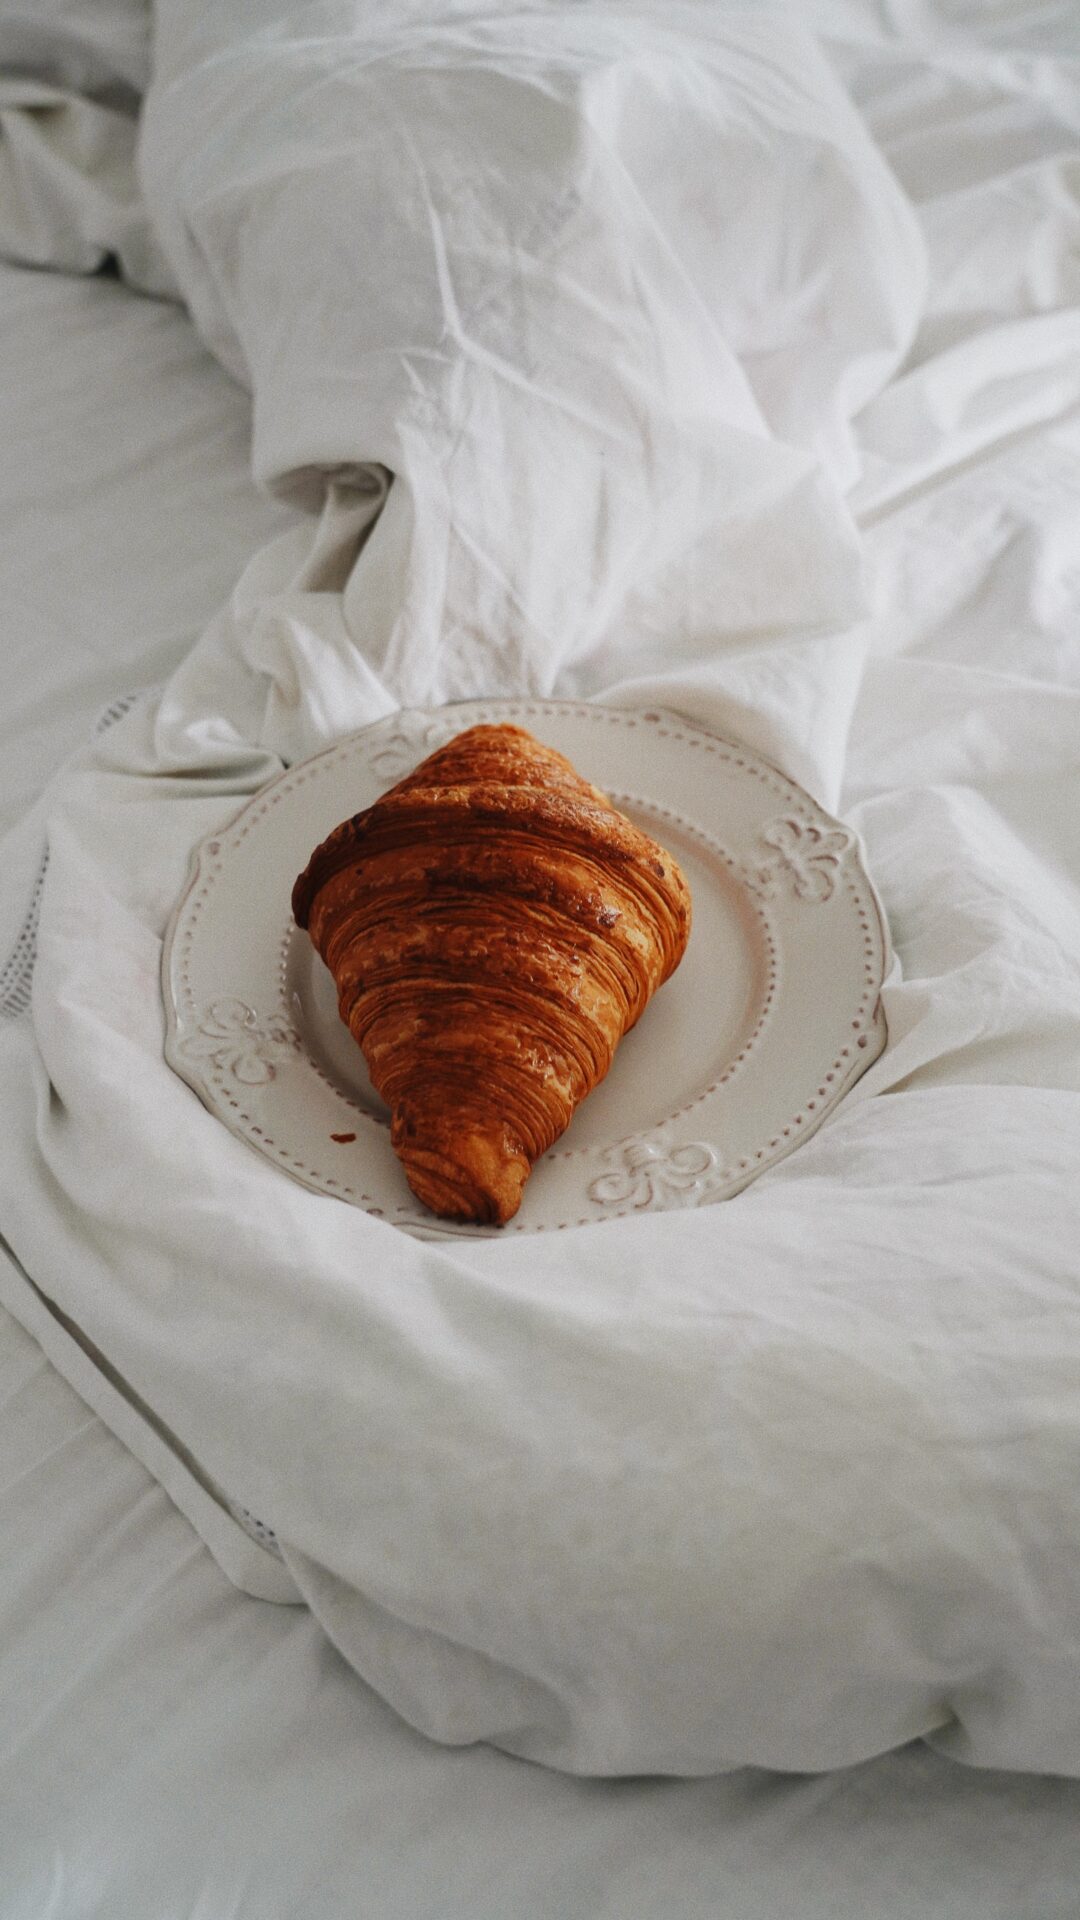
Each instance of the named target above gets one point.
<point>734,1181</point>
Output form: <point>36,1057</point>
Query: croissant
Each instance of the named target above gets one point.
<point>494,926</point>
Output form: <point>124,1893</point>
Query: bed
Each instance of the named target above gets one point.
<point>172,1744</point>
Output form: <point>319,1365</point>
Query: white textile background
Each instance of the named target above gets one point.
<point>785,1482</point>
<point>164,1738</point>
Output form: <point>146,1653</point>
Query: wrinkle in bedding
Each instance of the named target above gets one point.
<point>230,1757</point>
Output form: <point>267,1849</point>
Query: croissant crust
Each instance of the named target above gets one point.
<point>494,926</point>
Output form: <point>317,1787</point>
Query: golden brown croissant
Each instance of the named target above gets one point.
<point>494,926</point>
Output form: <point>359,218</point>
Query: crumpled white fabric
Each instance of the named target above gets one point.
<point>69,195</point>
<point>71,78</point>
<point>784,1482</point>
<point>601,288</point>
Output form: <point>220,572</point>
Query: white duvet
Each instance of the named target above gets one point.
<point>629,305</point>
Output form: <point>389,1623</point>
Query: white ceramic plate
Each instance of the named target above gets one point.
<point>771,1017</point>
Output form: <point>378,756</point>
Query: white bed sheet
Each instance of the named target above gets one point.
<point>171,1749</point>
<point>97,386</point>
<point>879,1434</point>
<point>167,1745</point>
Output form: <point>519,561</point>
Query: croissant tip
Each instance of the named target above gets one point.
<point>479,1183</point>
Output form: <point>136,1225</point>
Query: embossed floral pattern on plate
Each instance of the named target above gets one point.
<point>404,749</point>
<point>808,855</point>
<point>240,1043</point>
<point>652,1174</point>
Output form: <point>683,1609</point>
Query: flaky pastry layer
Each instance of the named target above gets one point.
<point>494,926</point>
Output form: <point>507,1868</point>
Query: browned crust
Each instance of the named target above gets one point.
<point>494,926</point>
